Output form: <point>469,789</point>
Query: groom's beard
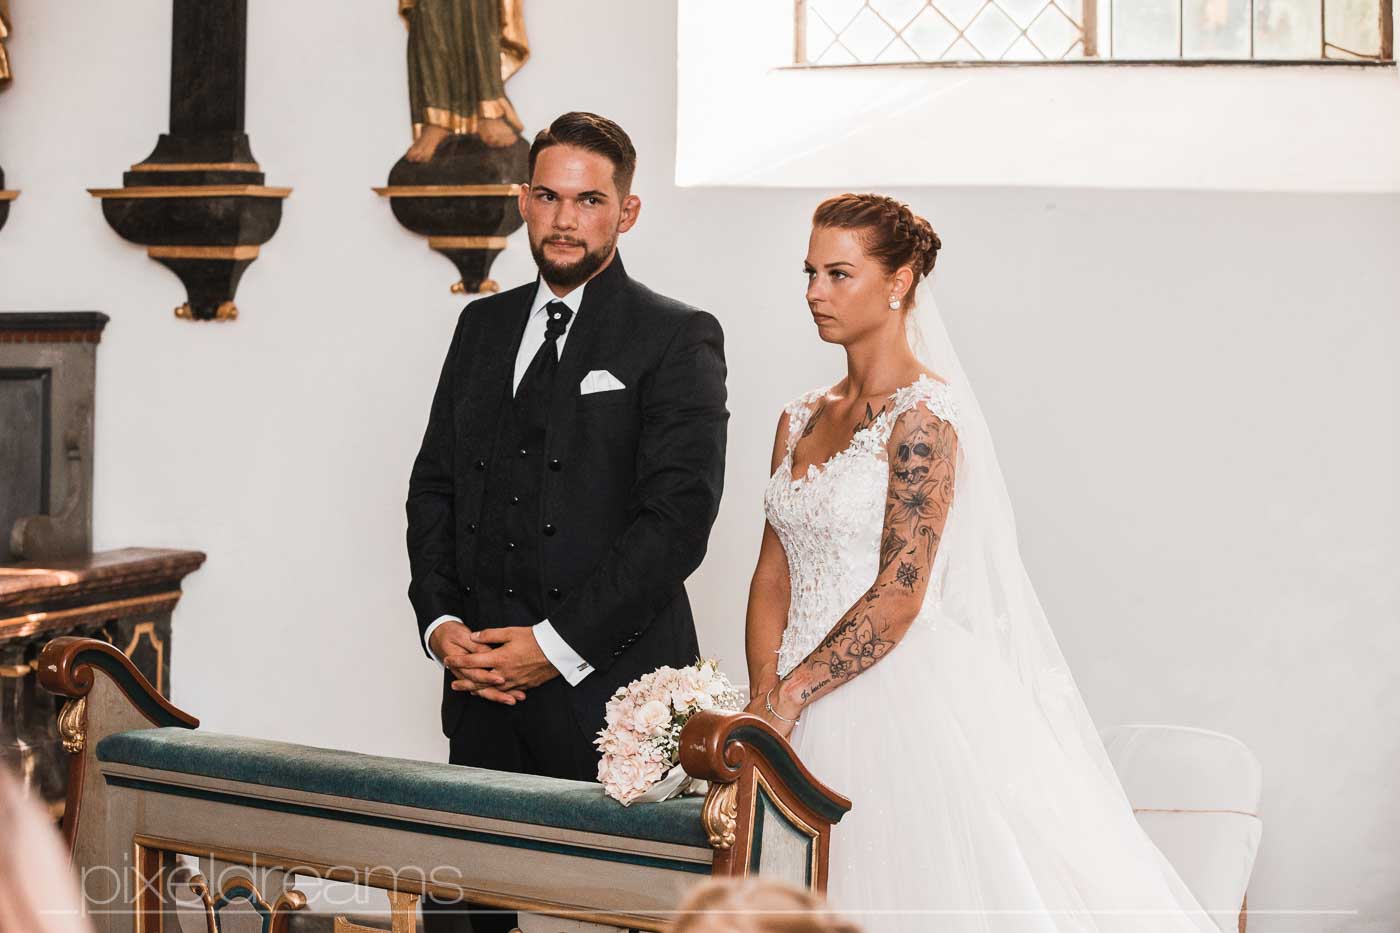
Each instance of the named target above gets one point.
<point>571,274</point>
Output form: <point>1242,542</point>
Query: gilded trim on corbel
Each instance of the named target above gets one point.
<point>202,252</point>
<point>466,242</point>
<point>190,191</point>
<point>195,167</point>
<point>449,191</point>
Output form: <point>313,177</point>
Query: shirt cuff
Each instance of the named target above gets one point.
<point>566,660</point>
<point>428,635</point>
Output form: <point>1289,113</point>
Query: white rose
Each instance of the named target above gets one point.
<point>623,780</point>
<point>652,716</point>
<point>684,697</point>
<point>650,773</point>
<point>625,743</point>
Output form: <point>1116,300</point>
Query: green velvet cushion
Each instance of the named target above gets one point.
<point>522,798</point>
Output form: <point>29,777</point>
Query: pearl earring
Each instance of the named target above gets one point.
<point>894,304</point>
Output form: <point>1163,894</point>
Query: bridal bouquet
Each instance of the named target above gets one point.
<point>641,741</point>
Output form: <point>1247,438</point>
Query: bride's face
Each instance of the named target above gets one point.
<point>848,292</point>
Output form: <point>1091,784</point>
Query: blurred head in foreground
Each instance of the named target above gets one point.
<point>38,893</point>
<point>753,905</point>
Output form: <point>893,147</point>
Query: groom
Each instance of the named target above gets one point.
<point>568,478</point>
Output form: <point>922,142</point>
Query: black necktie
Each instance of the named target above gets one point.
<point>537,385</point>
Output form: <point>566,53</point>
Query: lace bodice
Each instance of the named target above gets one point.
<point>830,520</point>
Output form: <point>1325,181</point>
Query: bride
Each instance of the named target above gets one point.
<point>894,636</point>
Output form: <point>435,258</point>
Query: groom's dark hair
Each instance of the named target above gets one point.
<point>596,134</point>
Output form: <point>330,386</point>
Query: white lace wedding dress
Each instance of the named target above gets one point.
<point>973,808</point>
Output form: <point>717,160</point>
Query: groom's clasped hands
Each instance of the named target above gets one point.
<point>497,664</point>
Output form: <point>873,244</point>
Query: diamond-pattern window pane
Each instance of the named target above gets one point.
<point>930,35</point>
<point>892,31</point>
<point>1022,50</point>
<point>837,54</point>
<point>960,13</point>
<point>897,13</point>
<point>837,13</point>
<point>867,35</point>
<point>964,51</point>
<point>1021,12</point>
<point>992,33</point>
<point>819,35</point>
<point>897,51</point>
<point>1054,33</point>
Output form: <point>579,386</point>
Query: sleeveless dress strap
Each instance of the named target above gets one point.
<point>934,395</point>
<point>799,410</point>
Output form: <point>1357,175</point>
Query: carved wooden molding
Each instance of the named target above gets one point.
<point>745,759</point>
<point>66,668</point>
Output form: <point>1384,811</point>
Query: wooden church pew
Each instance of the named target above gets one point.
<point>146,784</point>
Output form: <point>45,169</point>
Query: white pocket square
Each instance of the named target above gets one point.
<point>599,380</point>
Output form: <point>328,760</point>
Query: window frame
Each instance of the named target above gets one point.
<point>1385,58</point>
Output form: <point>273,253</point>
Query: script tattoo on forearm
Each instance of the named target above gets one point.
<point>922,458</point>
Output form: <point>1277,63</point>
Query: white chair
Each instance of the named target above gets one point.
<point>1196,794</point>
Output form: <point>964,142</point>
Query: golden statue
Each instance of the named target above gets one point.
<point>4,34</point>
<point>460,53</point>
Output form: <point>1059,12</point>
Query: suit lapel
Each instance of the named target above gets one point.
<point>492,377</point>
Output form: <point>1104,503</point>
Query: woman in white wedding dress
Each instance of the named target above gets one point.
<point>894,636</point>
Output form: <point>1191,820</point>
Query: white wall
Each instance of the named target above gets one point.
<point>1192,395</point>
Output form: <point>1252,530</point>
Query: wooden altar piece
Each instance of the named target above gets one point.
<point>147,785</point>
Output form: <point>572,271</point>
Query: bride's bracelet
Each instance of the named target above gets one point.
<point>768,705</point>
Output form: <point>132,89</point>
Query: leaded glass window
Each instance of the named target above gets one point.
<point>870,32</point>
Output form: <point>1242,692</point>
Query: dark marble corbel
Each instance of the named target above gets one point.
<point>198,202</point>
<point>5,198</point>
<point>465,200</point>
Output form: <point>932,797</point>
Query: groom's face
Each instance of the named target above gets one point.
<point>574,214</point>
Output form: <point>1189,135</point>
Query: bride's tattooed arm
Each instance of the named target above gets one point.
<point>922,453</point>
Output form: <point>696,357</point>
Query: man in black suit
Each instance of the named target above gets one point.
<point>568,478</point>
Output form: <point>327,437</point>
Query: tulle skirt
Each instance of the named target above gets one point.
<point>967,812</point>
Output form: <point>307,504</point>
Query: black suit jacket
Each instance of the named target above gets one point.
<point>632,477</point>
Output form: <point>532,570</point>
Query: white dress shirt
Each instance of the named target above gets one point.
<point>566,660</point>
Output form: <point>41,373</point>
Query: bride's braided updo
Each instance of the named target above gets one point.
<point>891,232</point>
